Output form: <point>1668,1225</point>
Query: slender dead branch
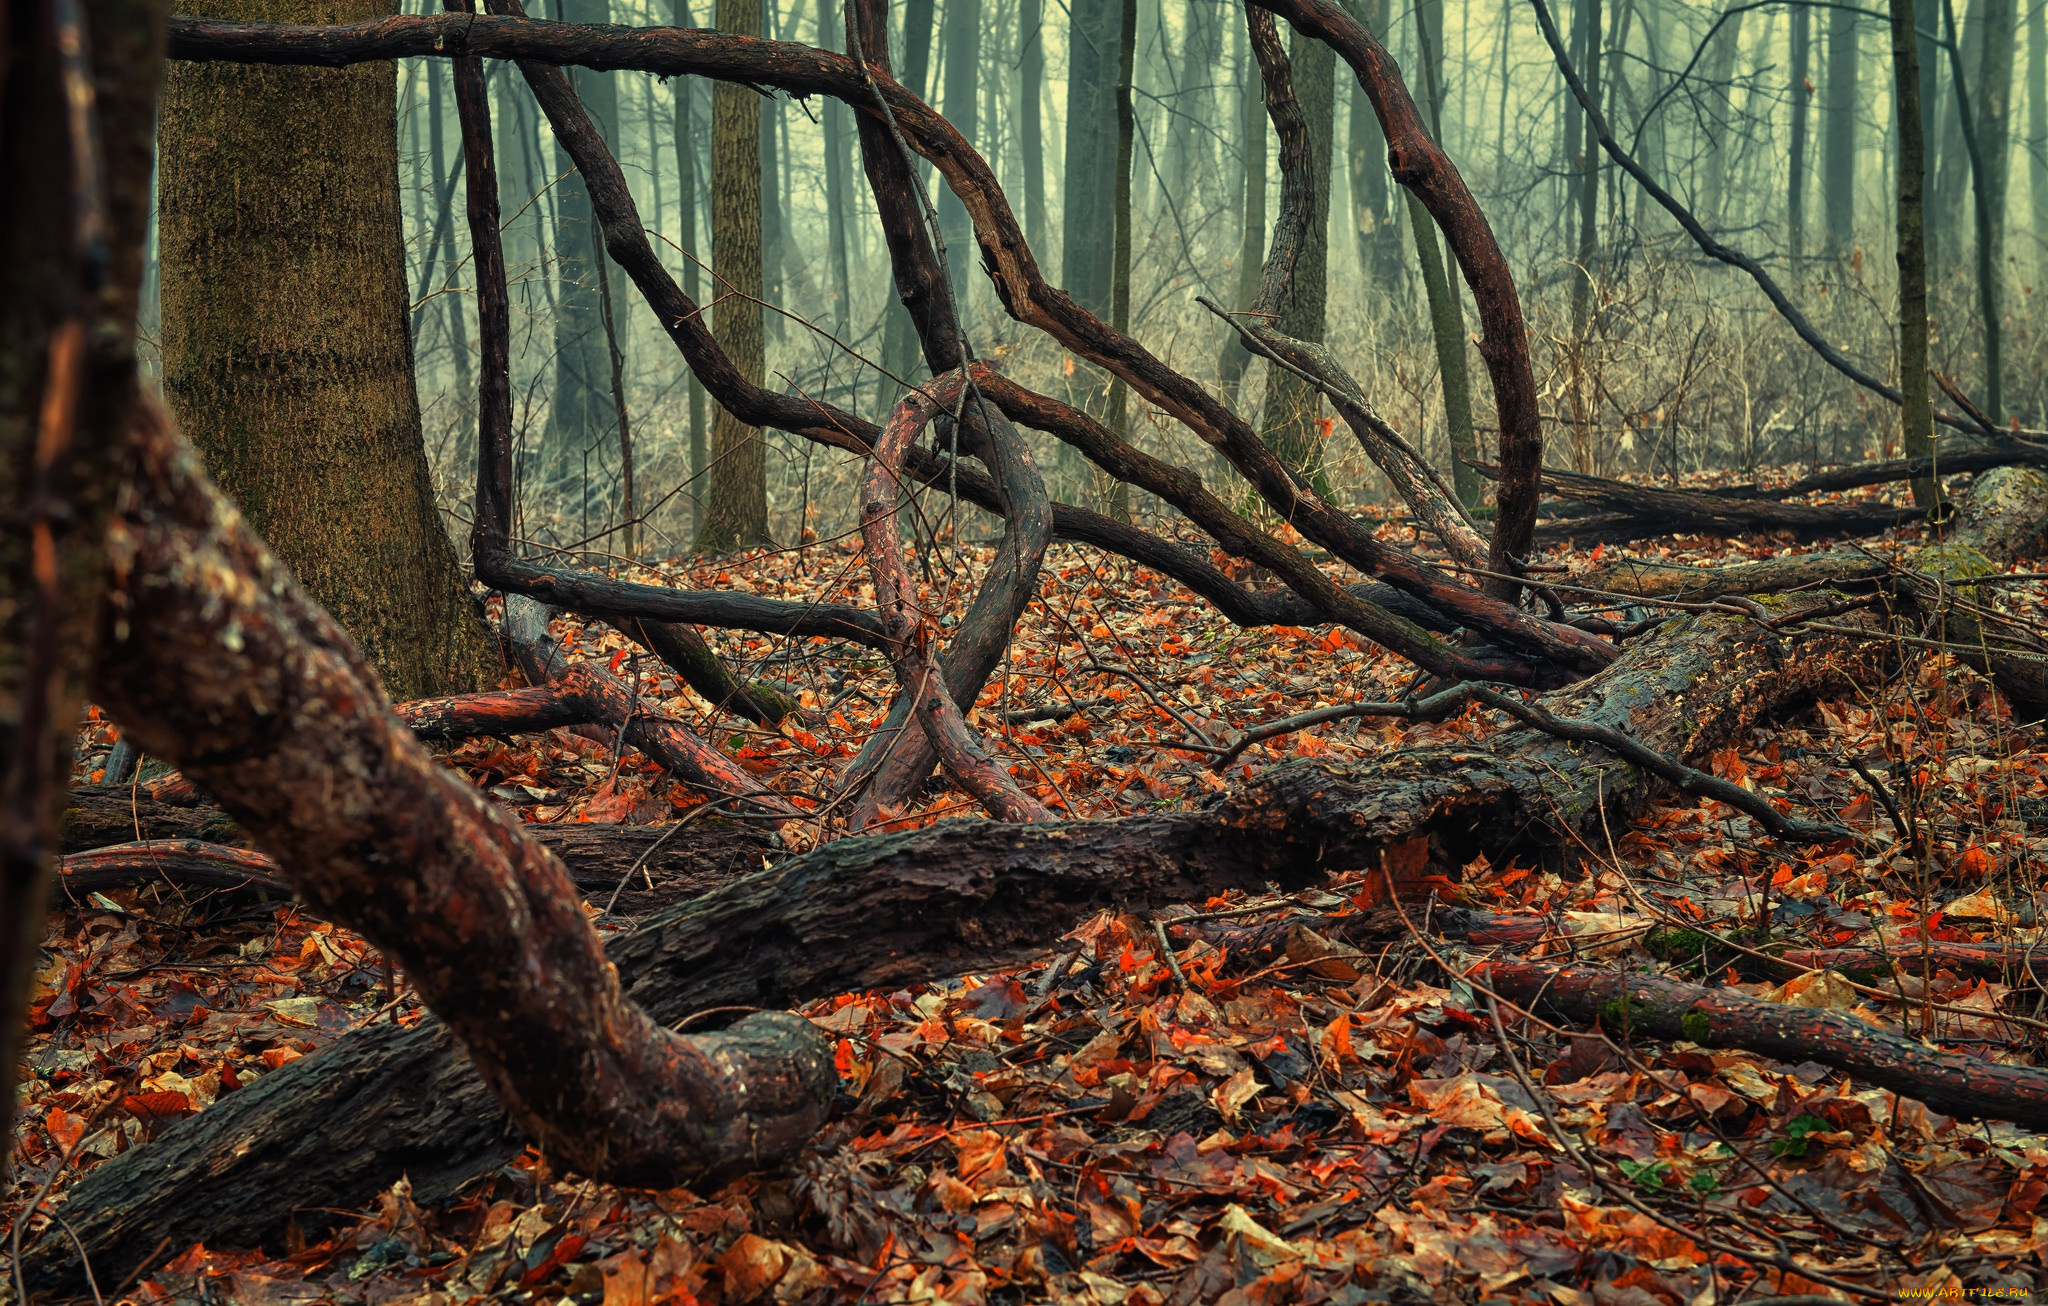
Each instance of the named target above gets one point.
<point>1639,1005</point>
<point>909,625</point>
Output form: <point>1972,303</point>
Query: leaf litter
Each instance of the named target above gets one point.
<point>1301,1104</point>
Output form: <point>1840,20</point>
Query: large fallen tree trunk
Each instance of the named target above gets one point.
<point>958,897</point>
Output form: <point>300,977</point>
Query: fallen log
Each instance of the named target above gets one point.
<point>176,862</point>
<point>958,897</point>
<point>1948,462</point>
<point>1654,510</point>
<point>1639,1005</point>
<point>1942,587</point>
<point>668,864</point>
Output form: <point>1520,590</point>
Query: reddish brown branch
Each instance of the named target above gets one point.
<point>1421,165</point>
<point>216,660</point>
<point>172,861</point>
<point>1655,1007</point>
<point>912,656</point>
<point>595,695</point>
<point>896,760</point>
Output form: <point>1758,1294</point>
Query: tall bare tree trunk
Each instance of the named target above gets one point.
<point>837,198</point>
<point>901,352</point>
<point>1031,118</point>
<point>1251,203</point>
<point>689,182</point>
<point>1089,193</point>
<point>1801,96</point>
<point>1916,415</point>
<point>1373,220</point>
<point>1838,94</point>
<point>1119,496</point>
<point>962,36</point>
<point>285,347</point>
<point>2037,114</point>
<point>1446,313</point>
<point>736,506</point>
<point>1288,423</point>
<point>580,411</point>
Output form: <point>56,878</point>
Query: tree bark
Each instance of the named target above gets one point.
<point>1639,1005</point>
<point>1839,95</point>
<point>1916,412</point>
<point>1251,213</point>
<point>285,346</point>
<point>1288,424</point>
<point>75,160</point>
<point>1031,117</point>
<point>736,504</point>
<point>218,662</point>
<point>962,36</point>
<point>1800,93</point>
<point>695,859</point>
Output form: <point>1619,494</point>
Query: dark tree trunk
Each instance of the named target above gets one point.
<point>70,268</point>
<point>689,180</point>
<point>1288,423</point>
<point>962,35</point>
<point>580,410</point>
<point>736,504</point>
<point>1916,413</point>
<point>285,347</point>
<point>1251,208</point>
<point>1801,95</point>
<point>838,196</point>
<point>1031,117</point>
<point>1089,192</point>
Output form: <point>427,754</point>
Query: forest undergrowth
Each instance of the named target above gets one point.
<point>1275,1098</point>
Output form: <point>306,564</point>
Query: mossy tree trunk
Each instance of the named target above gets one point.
<point>285,345</point>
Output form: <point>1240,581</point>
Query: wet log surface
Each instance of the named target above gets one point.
<point>958,897</point>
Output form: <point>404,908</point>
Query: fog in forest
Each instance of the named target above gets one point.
<point>1774,123</point>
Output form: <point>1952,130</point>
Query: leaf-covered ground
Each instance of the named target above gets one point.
<point>1278,1099</point>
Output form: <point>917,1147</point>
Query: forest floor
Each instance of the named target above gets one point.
<point>1267,1106</point>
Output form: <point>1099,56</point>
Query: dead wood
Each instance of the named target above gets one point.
<point>595,695</point>
<point>1629,511</point>
<point>1024,292</point>
<point>173,862</point>
<point>219,663</point>
<point>695,859</point>
<point>1636,1006</point>
<point>683,648</point>
<point>958,897</point>
<point>920,681</point>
